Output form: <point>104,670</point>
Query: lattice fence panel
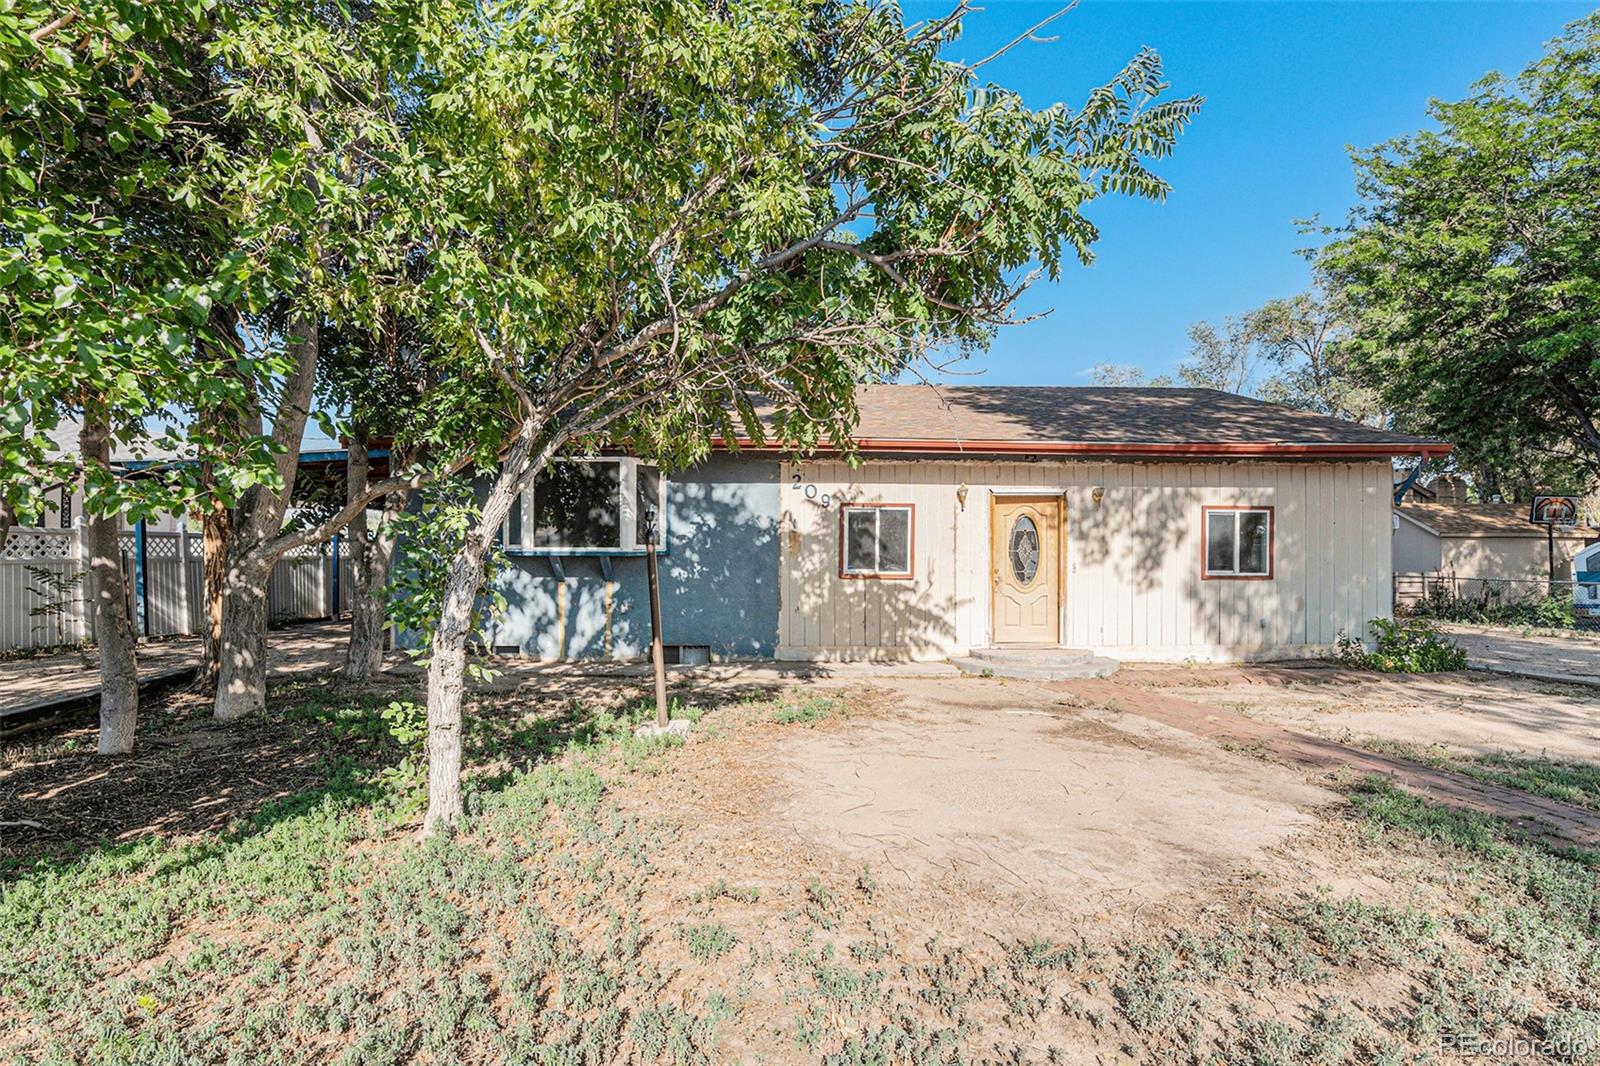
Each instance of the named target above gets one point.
<point>39,544</point>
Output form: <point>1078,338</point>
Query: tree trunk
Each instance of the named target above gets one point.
<point>242,664</point>
<point>364,652</point>
<point>214,567</point>
<point>119,666</point>
<point>371,558</point>
<point>446,681</point>
<point>448,661</point>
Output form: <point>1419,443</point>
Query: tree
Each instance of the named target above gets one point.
<point>1472,266</point>
<point>322,90</point>
<point>658,217</point>
<point>1226,358</point>
<point>1125,375</point>
<point>168,215</point>
<point>377,378</point>
<point>1305,337</point>
<point>106,270</point>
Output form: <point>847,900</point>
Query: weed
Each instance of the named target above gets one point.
<point>722,890</point>
<point>708,940</point>
<point>1408,646</point>
<point>793,709</point>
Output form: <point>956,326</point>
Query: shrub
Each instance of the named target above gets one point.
<point>1405,646</point>
<point>1497,604</point>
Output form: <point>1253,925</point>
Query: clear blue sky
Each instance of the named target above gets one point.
<point>1287,85</point>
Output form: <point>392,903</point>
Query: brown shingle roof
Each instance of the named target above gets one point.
<point>987,418</point>
<point>1483,520</point>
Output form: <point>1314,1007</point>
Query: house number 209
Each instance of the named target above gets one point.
<point>812,493</point>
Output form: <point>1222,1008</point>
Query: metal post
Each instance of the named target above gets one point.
<point>1550,536</point>
<point>141,566</point>
<point>183,576</point>
<point>334,613</point>
<point>657,653</point>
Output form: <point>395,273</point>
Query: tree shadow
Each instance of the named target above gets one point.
<point>212,784</point>
<point>718,573</point>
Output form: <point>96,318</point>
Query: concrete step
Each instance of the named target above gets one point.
<point>1035,664</point>
<point>1017,654</point>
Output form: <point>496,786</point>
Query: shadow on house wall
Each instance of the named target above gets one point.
<point>719,577</point>
<point>863,617</point>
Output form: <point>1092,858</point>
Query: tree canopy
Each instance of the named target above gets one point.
<point>1472,268</point>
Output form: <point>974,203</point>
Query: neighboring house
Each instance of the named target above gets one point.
<point>1162,524</point>
<point>1481,540</point>
<point>64,501</point>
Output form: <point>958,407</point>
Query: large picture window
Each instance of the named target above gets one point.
<point>591,506</point>
<point>1238,542</point>
<point>875,540</point>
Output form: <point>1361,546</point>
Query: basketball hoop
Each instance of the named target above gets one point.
<point>1557,512</point>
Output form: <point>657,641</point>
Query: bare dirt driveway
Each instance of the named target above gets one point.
<point>993,789</point>
<point>978,797</point>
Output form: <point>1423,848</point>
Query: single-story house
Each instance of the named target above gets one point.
<point>1481,540</point>
<point>1158,524</point>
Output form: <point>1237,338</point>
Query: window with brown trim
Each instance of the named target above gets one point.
<point>875,539</point>
<point>1236,542</point>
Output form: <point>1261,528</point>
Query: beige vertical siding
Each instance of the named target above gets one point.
<point>1132,564</point>
<point>1524,558</point>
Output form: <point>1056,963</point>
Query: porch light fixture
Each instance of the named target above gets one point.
<point>1097,495</point>
<point>961,495</point>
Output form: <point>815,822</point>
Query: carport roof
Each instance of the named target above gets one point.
<point>989,419</point>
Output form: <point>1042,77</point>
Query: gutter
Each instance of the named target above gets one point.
<point>1269,450</point>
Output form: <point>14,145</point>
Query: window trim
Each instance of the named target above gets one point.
<point>1208,574</point>
<point>627,492</point>
<point>911,542</point>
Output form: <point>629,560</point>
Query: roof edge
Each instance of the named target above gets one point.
<point>1197,449</point>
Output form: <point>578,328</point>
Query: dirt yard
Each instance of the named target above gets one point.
<point>884,870</point>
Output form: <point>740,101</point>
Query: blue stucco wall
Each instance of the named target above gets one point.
<point>719,576</point>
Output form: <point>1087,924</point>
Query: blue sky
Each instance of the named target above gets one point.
<point>1287,87</point>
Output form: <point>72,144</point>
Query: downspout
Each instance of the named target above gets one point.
<point>1411,479</point>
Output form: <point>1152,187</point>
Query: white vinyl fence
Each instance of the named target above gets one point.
<point>44,594</point>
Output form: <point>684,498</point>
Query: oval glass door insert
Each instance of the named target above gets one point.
<point>1023,549</point>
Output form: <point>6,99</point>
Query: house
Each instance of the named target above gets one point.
<point>1481,541</point>
<point>1160,524</point>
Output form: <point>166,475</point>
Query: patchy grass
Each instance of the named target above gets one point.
<point>1572,782</point>
<point>803,708</point>
<point>547,931</point>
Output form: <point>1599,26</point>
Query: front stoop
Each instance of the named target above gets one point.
<point>1036,664</point>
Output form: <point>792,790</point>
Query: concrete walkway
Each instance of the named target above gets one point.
<point>27,682</point>
<point>318,647</point>
<point>1571,659</point>
<point>1535,815</point>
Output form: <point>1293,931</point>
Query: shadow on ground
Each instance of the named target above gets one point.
<point>191,774</point>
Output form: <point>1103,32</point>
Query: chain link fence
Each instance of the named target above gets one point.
<point>1500,601</point>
